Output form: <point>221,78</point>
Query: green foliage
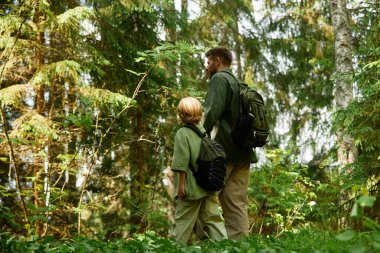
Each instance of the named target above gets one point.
<point>13,95</point>
<point>170,52</point>
<point>35,126</point>
<point>304,241</point>
<point>105,99</point>
<point>63,70</point>
<point>73,19</point>
<point>361,118</point>
<point>283,197</point>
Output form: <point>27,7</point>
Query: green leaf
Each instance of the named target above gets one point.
<point>267,250</point>
<point>366,201</point>
<point>357,249</point>
<point>139,59</point>
<point>355,211</point>
<point>346,235</point>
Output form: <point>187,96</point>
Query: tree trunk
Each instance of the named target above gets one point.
<point>238,47</point>
<point>347,152</point>
<point>40,104</point>
<point>184,32</point>
<point>138,179</point>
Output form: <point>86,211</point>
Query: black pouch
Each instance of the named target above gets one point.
<point>242,131</point>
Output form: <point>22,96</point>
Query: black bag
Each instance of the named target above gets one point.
<point>251,129</point>
<point>211,163</point>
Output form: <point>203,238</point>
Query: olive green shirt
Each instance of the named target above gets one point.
<point>221,109</point>
<point>186,152</point>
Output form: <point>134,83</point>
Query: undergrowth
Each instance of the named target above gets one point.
<point>305,241</point>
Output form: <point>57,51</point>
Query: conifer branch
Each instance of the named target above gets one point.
<point>5,61</point>
<point>96,151</point>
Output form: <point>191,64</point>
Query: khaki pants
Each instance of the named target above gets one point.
<point>234,200</point>
<point>206,210</point>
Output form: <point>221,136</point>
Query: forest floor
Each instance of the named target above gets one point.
<point>303,241</point>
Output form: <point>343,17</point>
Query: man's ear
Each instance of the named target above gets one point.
<point>218,61</point>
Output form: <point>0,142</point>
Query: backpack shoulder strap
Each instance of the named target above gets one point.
<point>195,129</point>
<point>232,76</point>
<point>200,134</point>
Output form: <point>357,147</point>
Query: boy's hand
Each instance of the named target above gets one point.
<point>181,191</point>
<point>181,186</point>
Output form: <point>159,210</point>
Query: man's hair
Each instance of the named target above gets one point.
<point>189,110</point>
<point>222,52</point>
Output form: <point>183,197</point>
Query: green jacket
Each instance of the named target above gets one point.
<point>221,109</point>
<point>186,152</point>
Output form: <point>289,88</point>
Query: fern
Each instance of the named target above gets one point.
<point>67,69</point>
<point>13,95</point>
<point>9,24</point>
<point>105,98</point>
<point>138,5</point>
<point>72,19</point>
<point>32,125</point>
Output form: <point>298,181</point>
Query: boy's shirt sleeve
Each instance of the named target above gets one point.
<point>181,154</point>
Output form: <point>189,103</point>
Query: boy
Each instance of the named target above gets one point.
<point>192,202</point>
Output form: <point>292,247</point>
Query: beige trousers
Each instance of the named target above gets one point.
<point>206,210</point>
<point>234,200</point>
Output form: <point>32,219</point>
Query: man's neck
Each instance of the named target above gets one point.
<point>223,67</point>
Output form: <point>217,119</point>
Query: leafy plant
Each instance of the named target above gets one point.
<point>303,241</point>
<point>283,196</point>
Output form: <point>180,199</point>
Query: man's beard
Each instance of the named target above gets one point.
<point>210,73</point>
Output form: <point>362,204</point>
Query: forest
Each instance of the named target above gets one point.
<point>88,97</point>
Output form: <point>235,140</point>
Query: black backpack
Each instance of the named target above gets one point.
<point>251,129</point>
<point>211,163</point>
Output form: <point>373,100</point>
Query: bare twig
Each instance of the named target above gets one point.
<point>13,162</point>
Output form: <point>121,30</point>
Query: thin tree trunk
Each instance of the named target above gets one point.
<point>40,39</point>
<point>238,47</point>
<point>184,19</point>
<point>347,152</point>
<point>138,180</point>
<point>40,104</point>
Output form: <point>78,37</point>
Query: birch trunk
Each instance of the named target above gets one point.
<point>347,152</point>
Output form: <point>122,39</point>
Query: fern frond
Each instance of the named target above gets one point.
<point>142,5</point>
<point>73,19</point>
<point>9,24</point>
<point>14,95</point>
<point>33,125</point>
<point>21,49</point>
<point>105,98</point>
<point>67,69</point>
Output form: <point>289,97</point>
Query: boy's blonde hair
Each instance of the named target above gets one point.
<point>189,110</point>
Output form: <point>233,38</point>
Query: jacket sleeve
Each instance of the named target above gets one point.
<point>181,153</point>
<point>216,101</point>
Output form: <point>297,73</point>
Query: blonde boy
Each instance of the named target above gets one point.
<point>192,202</point>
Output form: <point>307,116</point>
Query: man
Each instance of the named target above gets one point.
<point>221,112</point>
